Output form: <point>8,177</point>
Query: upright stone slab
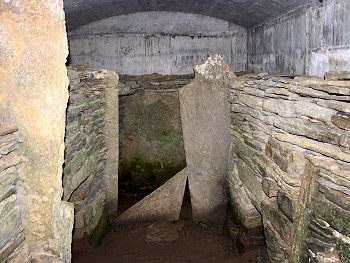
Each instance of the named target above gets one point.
<point>206,124</point>
<point>34,85</point>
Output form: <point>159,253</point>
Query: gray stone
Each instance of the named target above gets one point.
<point>206,126</point>
<point>279,222</point>
<point>290,159</point>
<point>88,216</point>
<point>337,75</point>
<point>163,232</point>
<point>10,220</point>
<point>318,131</point>
<point>342,120</point>
<point>287,205</point>
<point>164,204</point>
<point>270,187</point>
<point>243,209</point>
<point>110,176</point>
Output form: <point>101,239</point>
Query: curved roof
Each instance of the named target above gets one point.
<point>245,13</point>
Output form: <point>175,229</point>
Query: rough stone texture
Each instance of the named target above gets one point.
<point>245,13</point>
<point>90,176</point>
<point>110,177</point>
<point>164,204</point>
<point>162,42</point>
<point>291,153</point>
<point>12,246</point>
<point>33,88</point>
<point>308,41</point>
<point>151,147</point>
<point>205,123</point>
<point>163,232</point>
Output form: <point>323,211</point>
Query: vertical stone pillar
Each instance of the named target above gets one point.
<point>110,176</point>
<point>33,81</point>
<point>205,113</point>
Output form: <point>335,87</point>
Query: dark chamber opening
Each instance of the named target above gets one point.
<point>151,139</point>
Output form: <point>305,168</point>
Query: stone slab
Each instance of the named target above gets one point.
<point>164,204</point>
<point>205,118</point>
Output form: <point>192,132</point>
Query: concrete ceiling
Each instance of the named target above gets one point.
<point>246,13</point>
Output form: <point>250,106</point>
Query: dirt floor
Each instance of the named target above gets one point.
<point>163,242</point>
<point>176,242</point>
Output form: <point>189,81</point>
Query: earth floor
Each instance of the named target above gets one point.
<point>163,242</point>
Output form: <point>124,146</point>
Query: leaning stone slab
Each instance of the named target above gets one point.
<point>205,114</point>
<point>164,204</point>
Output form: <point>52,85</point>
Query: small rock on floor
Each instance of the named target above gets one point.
<point>163,232</point>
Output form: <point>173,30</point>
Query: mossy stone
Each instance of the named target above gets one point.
<point>100,230</point>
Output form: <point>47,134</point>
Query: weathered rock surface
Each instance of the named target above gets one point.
<point>33,88</point>
<point>164,204</point>
<point>290,139</point>
<point>90,175</point>
<point>163,232</point>
<point>11,227</point>
<point>205,121</point>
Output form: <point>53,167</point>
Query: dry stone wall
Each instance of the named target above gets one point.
<point>292,162</point>
<point>86,173</point>
<point>12,245</point>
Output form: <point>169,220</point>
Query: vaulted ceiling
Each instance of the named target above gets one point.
<point>246,13</point>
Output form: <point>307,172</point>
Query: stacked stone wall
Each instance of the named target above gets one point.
<point>291,139</point>
<point>12,245</point>
<point>86,150</point>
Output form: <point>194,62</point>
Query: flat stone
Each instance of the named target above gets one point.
<point>164,204</point>
<point>337,75</point>
<point>337,217</point>
<point>289,158</point>
<point>312,110</point>
<point>270,187</point>
<point>344,142</point>
<point>342,120</point>
<point>277,250</point>
<point>244,211</point>
<point>287,205</point>
<point>280,223</point>
<point>338,198</point>
<point>327,150</point>
<point>283,108</point>
<point>163,232</point>
<point>10,220</point>
<point>318,131</point>
<point>11,249</point>
<point>88,216</point>
<point>252,182</point>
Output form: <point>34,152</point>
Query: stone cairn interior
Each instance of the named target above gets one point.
<point>174,131</point>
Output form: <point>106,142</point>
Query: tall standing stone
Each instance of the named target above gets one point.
<point>33,82</point>
<point>205,117</point>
